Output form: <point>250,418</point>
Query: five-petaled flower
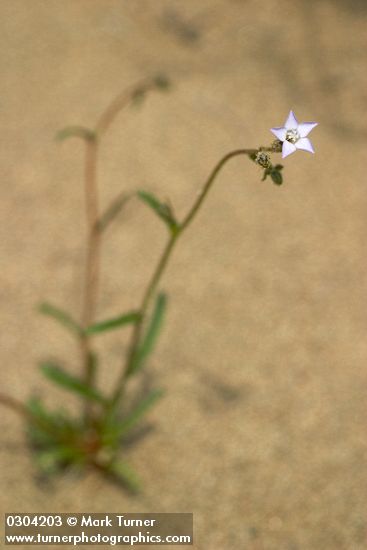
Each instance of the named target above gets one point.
<point>293,135</point>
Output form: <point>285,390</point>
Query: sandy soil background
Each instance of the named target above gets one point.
<point>262,430</point>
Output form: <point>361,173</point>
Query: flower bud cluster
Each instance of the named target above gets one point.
<point>263,159</point>
<point>276,146</point>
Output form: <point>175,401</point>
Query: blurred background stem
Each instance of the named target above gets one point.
<point>94,225</point>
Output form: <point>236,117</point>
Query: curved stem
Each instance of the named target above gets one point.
<point>209,182</point>
<point>163,261</point>
<point>121,101</point>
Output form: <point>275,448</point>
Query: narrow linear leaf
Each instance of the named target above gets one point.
<point>62,378</point>
<point>114,323</point>
<point>150,200</point>
<point>54,458</point>
<point>125,474</point>
<point>62,317</point>
<point>115,431</point>
<point>44,430</point>
<point>154,327</point>
<point>76,131</point>
<point>36,408</point>
<point>163,210</point>
<point>113,210</point>
<point>140,410</point>
<point>43,419</point>
<point>162,82</point>
<point>47,461</point>
<point>151,335</point>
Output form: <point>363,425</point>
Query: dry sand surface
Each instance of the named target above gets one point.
<point>262,431</point>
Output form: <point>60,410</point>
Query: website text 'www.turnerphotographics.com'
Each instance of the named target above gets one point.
<point>98,529</point>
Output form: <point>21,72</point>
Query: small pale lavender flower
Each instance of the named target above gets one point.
<point>293,135</point>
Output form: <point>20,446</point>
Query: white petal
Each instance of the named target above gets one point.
<point>291,122</point>
<point>305,128</point>
<point>279,133</point>
<point>288,148</point>
<point>305,145</point>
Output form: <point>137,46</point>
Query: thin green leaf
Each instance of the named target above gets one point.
<point>44,430</point>
<point>125,474</point>
<point>54,458</point>
<point>47,461</point>
<point>163,210</point>
<point>37,409</point>
<point>113,210</point>
<point>151,334</point>
<point>62,317</point>
<point>49,429</point>
<point>162,82</point>
<point>62,378</point>
<point>114,323</point>
<point>140,410</point>
<point>76,131</point>
<point>151,201</point>
<point>120,427</point>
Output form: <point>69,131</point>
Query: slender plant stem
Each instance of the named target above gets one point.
<point>16,406</point>
<point>92,260</point>
<point>153,283</point>
<point>121,101</point>
<point>94,227</point>
<point>162,264</point>
<point>96,224</point>
<point>209,182</point>
<point>93,236</point>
